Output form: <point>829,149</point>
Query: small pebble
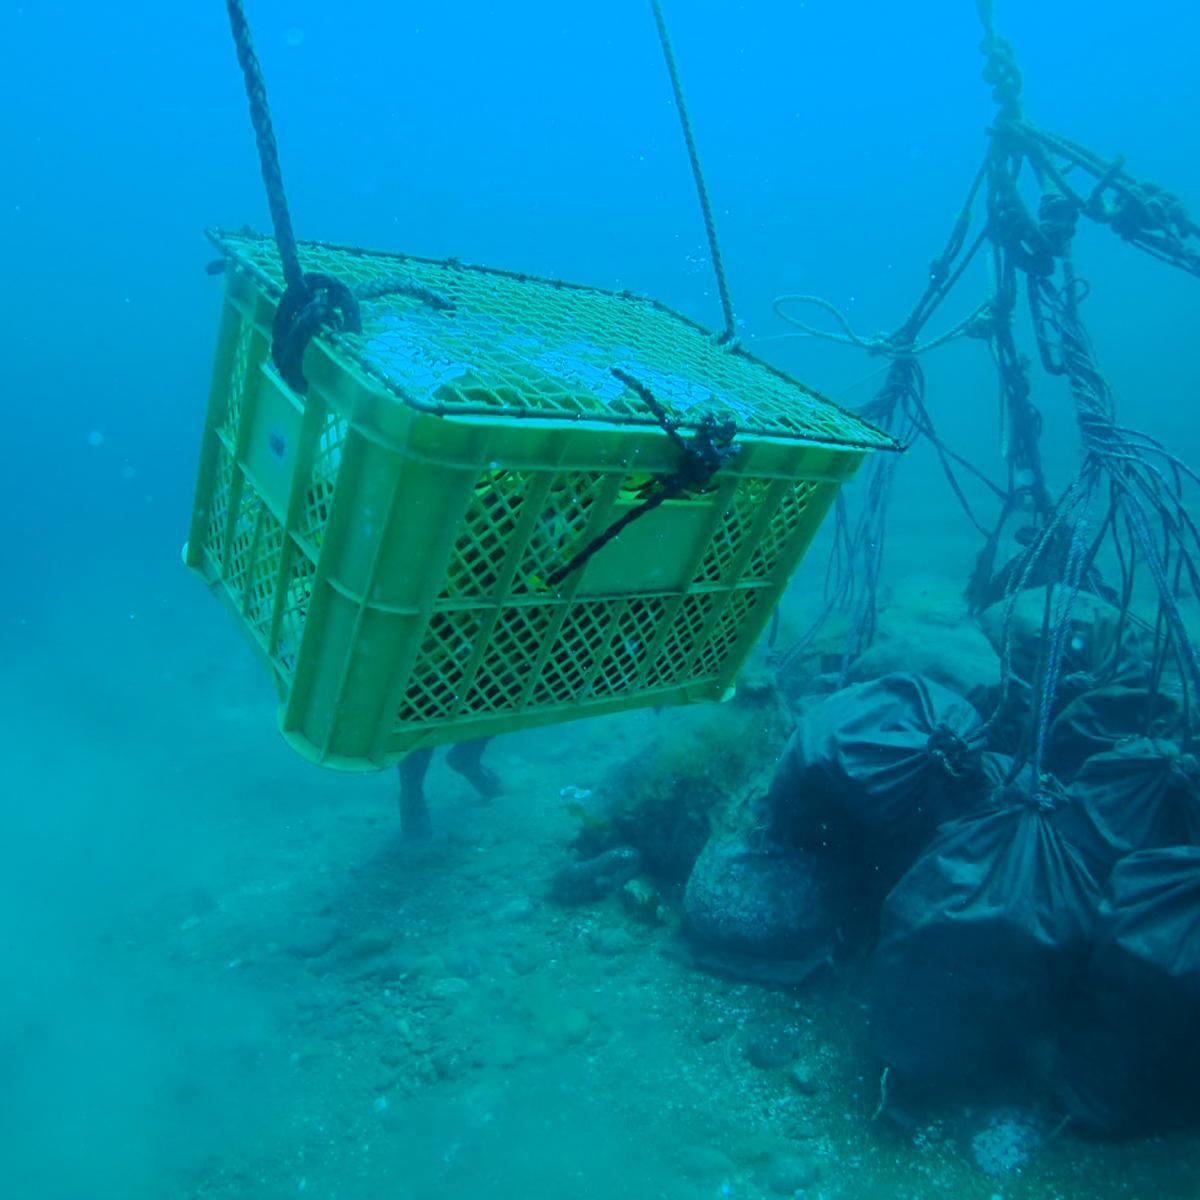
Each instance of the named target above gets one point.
<point>803,1079</point>
<point>642,901</point>
<point>466,964</point>
<point>524,959</point>
<point>576,1024</point>
<point>771,1047</point>
<point>449,987</point>
<point>699,1162</point>
<point>514,910</point>
<point>588,880</point>
<point>372,1011</point>
<point>562,1024</point>
<point>448,1064</point>
<point>336,1028</point>
<point>387,968</point>
<point>609,942</point>
<point>788,1174</point>
<point>368,944</point>
<point>800,1131</point>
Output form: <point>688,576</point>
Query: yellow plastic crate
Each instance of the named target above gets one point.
<point>385,539</point>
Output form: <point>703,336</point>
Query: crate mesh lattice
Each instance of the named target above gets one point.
<point>514,345</point>
<point>492,641</point>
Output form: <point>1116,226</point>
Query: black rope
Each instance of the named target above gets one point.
<point>1038,247</point>
<point>394,285</point>
<point>319,302</point>
<point>700,458</point>
<point>1030,253</point>
<point>1144,214</point>
<point>710,228</point>
<point>1144,483</point>
<point>268,150</point>
<point>856,562</point>
<point>313,301</point>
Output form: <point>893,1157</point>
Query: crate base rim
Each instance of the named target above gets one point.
<point>700,692</point>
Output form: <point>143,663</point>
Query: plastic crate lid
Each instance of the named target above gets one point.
<point>517,346</point>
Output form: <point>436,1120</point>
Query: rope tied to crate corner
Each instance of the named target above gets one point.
<point>313,300</point>
<point>700,458</point>
<point>319,302</point>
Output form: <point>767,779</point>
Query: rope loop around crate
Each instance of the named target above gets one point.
<point>318,301</point>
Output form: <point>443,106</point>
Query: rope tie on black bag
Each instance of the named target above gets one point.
<point>311,301</point>
<point>1048,795</point>
<point>953,753</point>
<point>700,458</point>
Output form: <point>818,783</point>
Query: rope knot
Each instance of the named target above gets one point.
<point>317,302</point>
<point>700,458</point>
<point>1002,73</point>
<point>952,753</point>
<point>1146,209</point>
<point>1012,227</point>
<point>982,325</point>
<point>1057,216</point>
<point>1048,795</point>
<point>709,448</point>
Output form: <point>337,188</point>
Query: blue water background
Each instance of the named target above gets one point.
<point>838,141</point>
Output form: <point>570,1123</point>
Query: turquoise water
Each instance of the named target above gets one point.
<point>224,974</point>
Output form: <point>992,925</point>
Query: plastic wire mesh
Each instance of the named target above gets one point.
<point>387,634</point>
<point>519,346</point>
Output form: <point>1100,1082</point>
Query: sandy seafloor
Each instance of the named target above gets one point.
<point>225,977</point>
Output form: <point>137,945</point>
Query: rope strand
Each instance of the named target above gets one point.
<point>268,149</point>
<point>729,332</point>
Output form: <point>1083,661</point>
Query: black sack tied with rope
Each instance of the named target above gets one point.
<point>1143,794</point>
<point>978,945</point>
<point>1130,1061</point>
<point>873,769</point>
<point>1099,720</point>
<point>1103,692</point>
<point>1101,642</point>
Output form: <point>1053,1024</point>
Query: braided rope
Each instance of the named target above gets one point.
<point>1143,479</point>
<point>710,228</point>
<point>268,149</point>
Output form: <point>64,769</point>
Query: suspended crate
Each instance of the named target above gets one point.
<point>387,538</point>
